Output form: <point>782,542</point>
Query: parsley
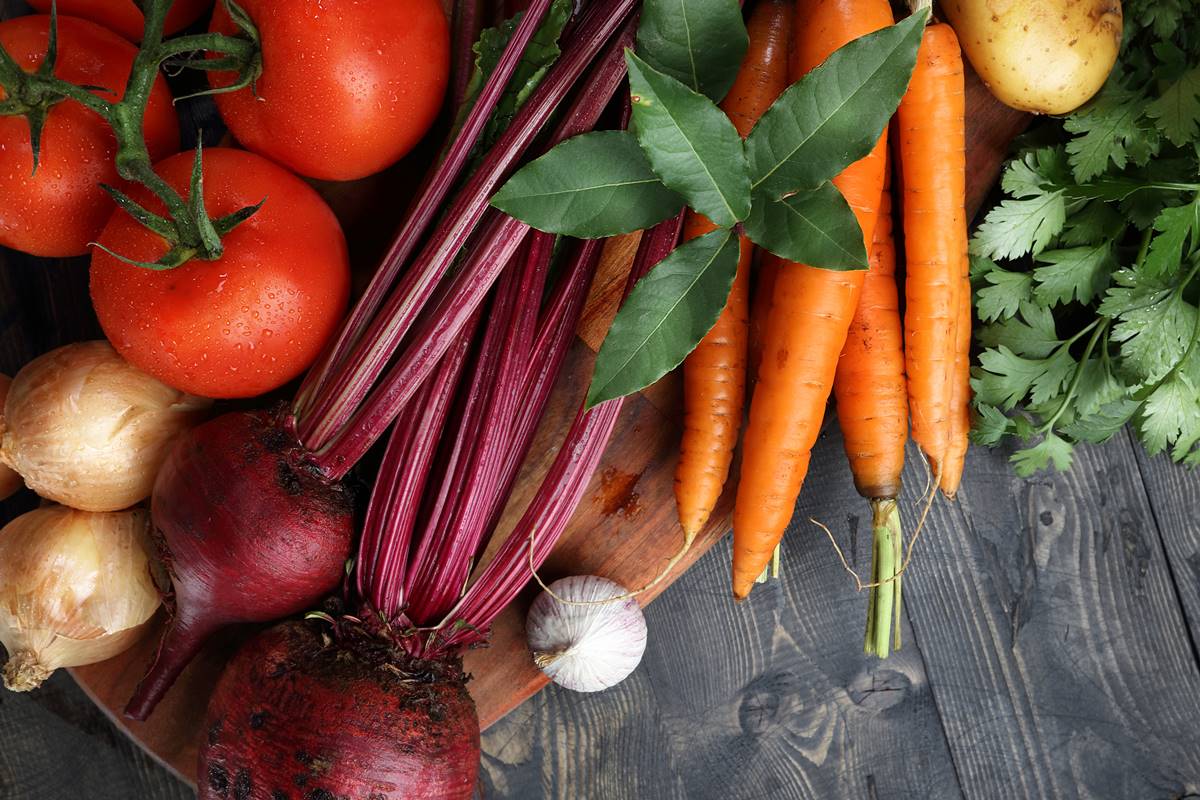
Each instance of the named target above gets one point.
<point>1087,274</point>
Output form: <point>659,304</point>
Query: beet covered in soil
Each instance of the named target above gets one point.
<point>298,716</point>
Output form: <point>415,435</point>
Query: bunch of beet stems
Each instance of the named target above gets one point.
<point>410,324</point>
<point>422,538</point>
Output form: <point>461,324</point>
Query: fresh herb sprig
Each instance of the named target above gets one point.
<point>1086,275</point>
<point>682,150</point>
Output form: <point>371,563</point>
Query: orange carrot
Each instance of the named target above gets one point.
<point>714,375</point>
<point>810,315</point>
<point>960,406</point>
<point>760,307</point>
<point>872,407</point>
<point>933,160</point>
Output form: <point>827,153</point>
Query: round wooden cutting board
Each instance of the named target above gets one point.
<point>625,528</point>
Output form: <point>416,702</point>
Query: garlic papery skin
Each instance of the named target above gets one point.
<point>76,588</point>
<point>10,481</point>
<point>87,429</point>
<point>586,644</point>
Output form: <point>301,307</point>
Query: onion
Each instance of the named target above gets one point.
<point>9,480</point>
<point>86,429</point>
<point>75,588</point>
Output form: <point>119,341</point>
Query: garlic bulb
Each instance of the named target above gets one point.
<point>75,588</point>
<point>589,646</point>
<point>9,480</point>
<point>87,429</point>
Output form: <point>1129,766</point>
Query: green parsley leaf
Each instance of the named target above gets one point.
<point>1106,130</point>
<point>1177,111</point>
<point>1004,378</point>
<point>990,425</point>
<point>1077,273</point>
<point>1031,334</point>
<point>1154,325</point>
<point>1051,450</point>
<point>1005,292</point>
<point>1174,225</point>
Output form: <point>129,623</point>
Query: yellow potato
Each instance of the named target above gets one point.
<point>1045,56</point>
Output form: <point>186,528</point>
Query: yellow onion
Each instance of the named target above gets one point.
<point>76,587</point>
<point>87,429</point>
<point>9,480</point>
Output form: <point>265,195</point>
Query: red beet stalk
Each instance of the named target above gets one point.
<point>465,292</point>
<point>331,414</point>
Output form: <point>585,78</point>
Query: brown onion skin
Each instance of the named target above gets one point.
<point>299,717</point>
<point>249,533</point>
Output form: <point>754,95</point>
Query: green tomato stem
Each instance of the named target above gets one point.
<point>189,232</point>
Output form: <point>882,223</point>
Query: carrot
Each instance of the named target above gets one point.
<point>933,160</point>
<point>960,407</point>
<point>810,315</point>
<point>872,407</point>
<point>760,307</point>
<point>714,375</point>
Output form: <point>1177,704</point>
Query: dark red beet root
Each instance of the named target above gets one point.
<point>296,717</point>
<point>249,533</point>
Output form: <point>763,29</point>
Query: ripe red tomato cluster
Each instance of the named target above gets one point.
<point>346,90</point>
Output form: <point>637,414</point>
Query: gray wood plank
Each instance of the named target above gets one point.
<point>1175,500</point>
<point>1053,638</point>
<point>769,698</point>
<point>56,745</point>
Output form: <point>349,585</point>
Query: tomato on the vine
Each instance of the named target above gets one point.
<point>346,88</point>
<point>124,17</point>
<point>56,211</point>
<point>247,322</point>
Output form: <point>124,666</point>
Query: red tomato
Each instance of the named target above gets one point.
<point>58,210</point>
<point>248,322</point>
<point>347,88</point>
<point>126,18</point>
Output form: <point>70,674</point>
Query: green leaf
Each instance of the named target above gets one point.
<point>1091,223</point>
<point>815,227</point>
<point>1097,387</point>
<point>539,56</point>
<point>1154,325</point>
<point>835,114</point>
<point>1004,378</point>
<point>1174,225</point>
<point>690,143</point>
<point>666,315</point>
<point>1052,450</point>
<point>1102,424</point>
<point>1171,412</point>
<point>590,186</point>
<point>1017,227</point>
<point>1177,111</point>
<point>1076,273</point>
<point>1031,334</point>
<point>1107,129</point>
<point>990,425</point>
<point>1005,292</point>
<point>700,43</point>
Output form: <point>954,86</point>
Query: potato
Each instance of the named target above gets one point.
<point>1045,56</point>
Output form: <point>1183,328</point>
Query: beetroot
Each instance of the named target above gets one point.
<point>301,716</point>
<point>249,534</point>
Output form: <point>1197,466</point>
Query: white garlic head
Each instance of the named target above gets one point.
<point>585,644</point>
<point>87,429</point>
<point>76,588</point>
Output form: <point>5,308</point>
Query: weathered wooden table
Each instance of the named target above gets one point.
<point>1050,651</point>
